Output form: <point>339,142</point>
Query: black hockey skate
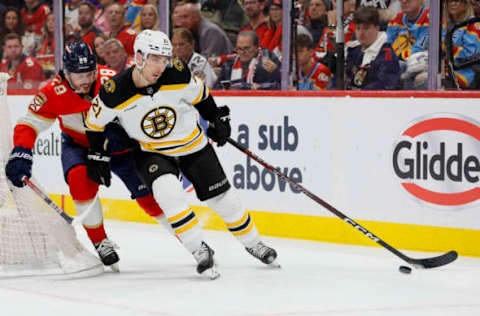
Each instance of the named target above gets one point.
<point>205,261</point>
<point>108,255</point>
<point>264,253</point>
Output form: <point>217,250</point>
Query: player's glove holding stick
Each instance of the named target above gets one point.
<point>98,160</point>
<point>19,165</point>
<point>219,128</point>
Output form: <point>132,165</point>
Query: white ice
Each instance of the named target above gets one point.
<point>158,277</point>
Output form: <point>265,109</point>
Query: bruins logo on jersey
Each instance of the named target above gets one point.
<point>159,122</point>
<point>177,63</point>
<point>109,86</point>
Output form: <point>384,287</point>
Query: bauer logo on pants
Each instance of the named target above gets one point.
<point>436,160</point>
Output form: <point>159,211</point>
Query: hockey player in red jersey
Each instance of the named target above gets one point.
<point>67,98</point>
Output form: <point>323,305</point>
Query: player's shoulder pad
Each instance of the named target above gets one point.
<point>118,89</point>
<point>178,73</point>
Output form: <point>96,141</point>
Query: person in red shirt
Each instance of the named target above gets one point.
<point>86,15</point>
<point>118,30</point>
<point>312,75</point>
<point>34,14</point>
<point>68,98</point>
<point>25,71</point>
<point>255,11</point>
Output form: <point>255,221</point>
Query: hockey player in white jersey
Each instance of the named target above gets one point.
<point>157,102</point>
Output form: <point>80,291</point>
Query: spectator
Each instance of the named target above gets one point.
<point>47,45</point>
<point>325,51</point>
<point>466,44</point>
<point>252,67</point>
<point>132,13</point>
<point>408,31</point>
<point>87,31</point>
<point>34,14</point>
<point>101,16</point>
<point>118,30</point>
<point>46,50</point>
<point>272,39</point>
<point>115,55</point>
<point>183,47</point>
<point>318,20</point>
<point>254,9</point>
<point>25,72</point>
<point>371,61</point>
<point>149,18</point>
<point>312,75</point>
<point>387,9</point>
<point>11,22</point>
<point>98,50</point>
<point>228,14</point>
<point>476,7</point>
<point>71,15</point>
<point>210,39</point>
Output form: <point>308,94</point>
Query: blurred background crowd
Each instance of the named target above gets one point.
<point>237,44</point>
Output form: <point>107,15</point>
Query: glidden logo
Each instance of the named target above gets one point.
<point>437,160</point>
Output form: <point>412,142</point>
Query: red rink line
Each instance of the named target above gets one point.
<point>88,301</point>
<point>332,93</point>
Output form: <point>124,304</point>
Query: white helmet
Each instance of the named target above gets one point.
<point>152,42</point>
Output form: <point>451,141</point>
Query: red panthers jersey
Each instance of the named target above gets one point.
<point>57,100</point>
<point>27,75</point>
<point>35,18</point>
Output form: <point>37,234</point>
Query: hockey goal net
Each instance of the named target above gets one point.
<point>34,239</point>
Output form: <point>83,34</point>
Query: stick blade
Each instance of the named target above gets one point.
<point>434,262</point>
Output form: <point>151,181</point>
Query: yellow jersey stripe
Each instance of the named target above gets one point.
<point>239,222</point>
<point>94,127</point>
<point>245,231</point>
<point>182,149</point>
<point>187,226</point>
<point>178,86</point>
<point>128,102</point>
<point>179,216</point>
<point>152,145</point>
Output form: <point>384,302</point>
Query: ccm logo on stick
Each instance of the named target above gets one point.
<point>436,160</point>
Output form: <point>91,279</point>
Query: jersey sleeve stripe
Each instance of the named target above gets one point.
<point>128,102</point>
<point>93,126</point>
<point>41,117</point>
<point>179,86</point>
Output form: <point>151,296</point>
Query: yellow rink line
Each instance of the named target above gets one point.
<point>317,228</point>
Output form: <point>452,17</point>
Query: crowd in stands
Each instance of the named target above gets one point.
<point>237,44</point>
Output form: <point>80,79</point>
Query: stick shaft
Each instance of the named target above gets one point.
<point>47,200</point>
<point>320,201</point>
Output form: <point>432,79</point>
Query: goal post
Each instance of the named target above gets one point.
<point>34,239</point>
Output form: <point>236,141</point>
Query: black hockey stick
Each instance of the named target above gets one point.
<point>69,219</point>
<point>417,263</point>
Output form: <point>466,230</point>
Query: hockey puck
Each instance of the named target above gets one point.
<point>405,269</point>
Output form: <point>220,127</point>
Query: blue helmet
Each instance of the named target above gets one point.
<point>78,57</point>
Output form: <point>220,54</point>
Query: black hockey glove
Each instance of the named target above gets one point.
<point>98,161</point>
<point>19,165</point>
<point>98,167</point>
<point>219,128</point>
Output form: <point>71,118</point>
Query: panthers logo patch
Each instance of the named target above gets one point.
<point>37,102</point>
<point>109,86</point>
<point>159,122</point>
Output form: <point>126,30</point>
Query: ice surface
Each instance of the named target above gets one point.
<point>158,277</point>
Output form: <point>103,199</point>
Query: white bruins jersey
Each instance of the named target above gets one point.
<point>161,117</point>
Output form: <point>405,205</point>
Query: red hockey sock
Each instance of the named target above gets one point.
<point>149,205</point>
<point>96,234</point>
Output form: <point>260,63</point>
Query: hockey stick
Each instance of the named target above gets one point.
<point>69,219</point>
<point>417,263</point>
